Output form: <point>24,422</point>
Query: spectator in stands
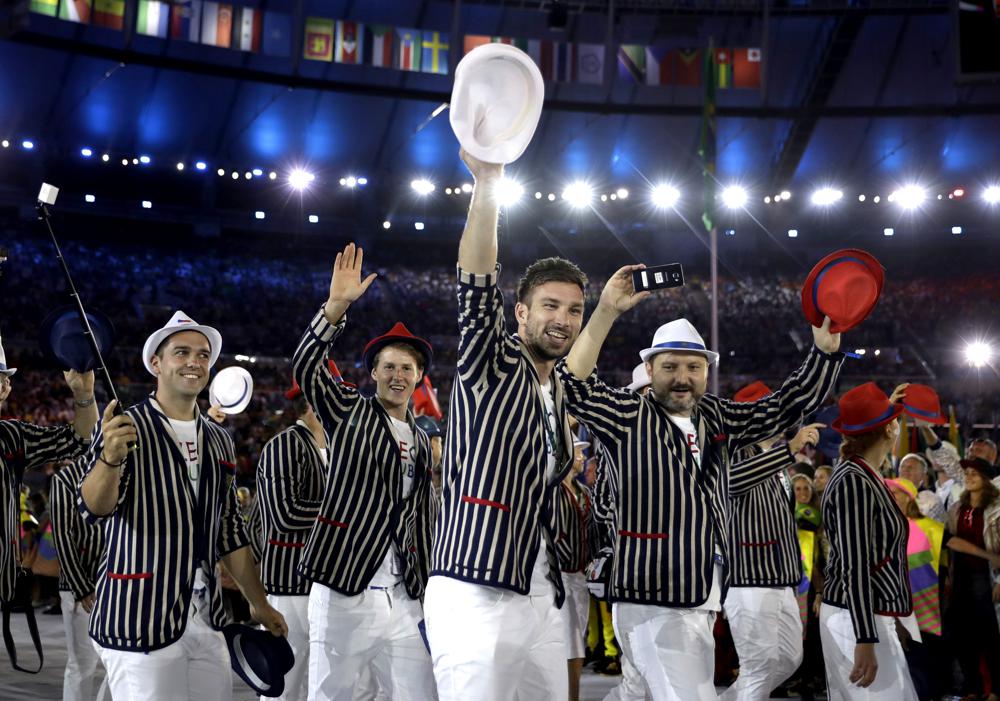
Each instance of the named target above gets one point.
<point>915,468</point>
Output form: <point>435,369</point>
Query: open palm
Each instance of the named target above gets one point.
<point>619,294</point>
<point>346,284</point>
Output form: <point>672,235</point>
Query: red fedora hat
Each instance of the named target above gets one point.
<point>294,391</point>
<point>397,334</point>
<point>864,409</point>
<point>844,286</point>
<point>922,403</point>
<point>752,392</point>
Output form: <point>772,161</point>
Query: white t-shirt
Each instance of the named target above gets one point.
<point>686,425</point>
<point>540,585</point>
<point>388,573</point>
<point>186,435</point>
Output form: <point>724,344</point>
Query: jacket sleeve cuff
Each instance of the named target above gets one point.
<point>323,330</point>
<point>467,279</point>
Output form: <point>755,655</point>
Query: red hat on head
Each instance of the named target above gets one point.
<point>922,402</point>
<point>294,391</point>
<point>864,409</point>
<point>752,392</point>
<point>844,286</point>
<point>397,334</point>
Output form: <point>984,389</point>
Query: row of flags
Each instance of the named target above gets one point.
<point>342,41</point>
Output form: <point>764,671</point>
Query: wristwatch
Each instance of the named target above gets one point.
<point>83,402</point>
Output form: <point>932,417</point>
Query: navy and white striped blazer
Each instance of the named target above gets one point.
<point>763,541</point>
<point>498,502</point>
<point>80,545</point>
<point>867,571</point>
<point>363,510</point>
<point>158,531</point>
<point>671,513</point>
<point>25,446</point>
<point>575,515</point>
<point>291,477</point>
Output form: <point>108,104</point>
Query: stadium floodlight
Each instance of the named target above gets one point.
<point>236,175</point>
<point>257,172</point>
<point>180,166</point>
<point>105,158</point>
<point>350,181</point>
<point>861,198</point>
<point>5,143</point>
<point>665,196</point>
<point>422,186</point>
<point>27,144</point>
<point>978,354</point>
<point>992,194</point>
<point>418,225</point>
<point>826,196</point>
<point>313,219</point>
<point>793,233</point>
<point>89,198</point>
<point>552,197</point>
<point>86,152</point>
<point>956,230</point>
<point>272,175</point>
<point>144,160</point>
<point>507,192</point>
<point>466,188</point>
<point>146,204</point>
<point>909,196</point>
<point>622,193</point>
<point>734,197</point>
<point>259,214</point>
<point>785,195</point>
<point>221,172</point>
<point>362,181</point>
<point>201,165</point>
<point>888,231</point>
<point>300,179</point>
<point>578,194</point>
<point>387,225</point>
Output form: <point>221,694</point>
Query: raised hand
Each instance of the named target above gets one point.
<point>899,393</point>
<point>346,284</point>
<point>80,383</point>
<point>116,432</point>
<point>824,340</point>
<point>806,435</point>
<point>481,170</point>
<point>619,294</point>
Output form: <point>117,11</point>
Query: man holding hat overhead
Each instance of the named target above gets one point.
<point>492,600</point>
<point>367,553</point>
<point>765,563</point>
<point>291,476</point>
<point>672,450</point>
<point>25,446</point>
<point>170,514</point>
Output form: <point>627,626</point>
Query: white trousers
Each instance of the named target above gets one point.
<point>376,628</point>
<point>892,681</point>
<point>84,672</point>
<point>492,644</point>
<point>673,649</point>
<point>196,666</point>
<point>631,687</point>
<point>767,632</point>
<point>295,609</point>
<point>574,613</point>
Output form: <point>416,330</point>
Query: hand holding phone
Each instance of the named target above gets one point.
<point>658,277</point>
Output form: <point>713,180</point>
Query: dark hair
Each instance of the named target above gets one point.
<point>549,270</point>
<point>299,405</point>
<point>403,346</point>
<point>858,444</point>
<point>990,494</point>
<point>804,468</point>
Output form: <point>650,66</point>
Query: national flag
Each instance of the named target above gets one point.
<point>217,24</point>
<point>408,55</point>
<point>247,29</point>
<point>318,44</point>
<point>659,65</point>
<point>108,13</point>
<point>746,68</point>
<point>378,45</point>
<point>45,7</point>
<point>425,402</point>
<point>435,53</point>
<point>722,66</point>
<point>632,63</point>
<point>558,61</point>
<point>533,47</point>
<point>706,147</point>
<point>75,11</point>
<point>471,41</point>
<point>153,18</point>
<point>687,66</point>
<point>276,34</point>
<point>590,63</point>
<point>954,435</point>
<point>185,20</point>
<point>348,43</point>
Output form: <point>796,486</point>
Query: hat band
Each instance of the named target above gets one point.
<point>824,271</point>
<point>868,424</point>
<point>255,681</point>
<point>685,345</point>
<point>919,412</point>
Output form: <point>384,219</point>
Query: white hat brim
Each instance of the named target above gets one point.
<point>231,390</point>
<point>648,353</point>
<point>158,337</point>
<point>468,119</point>
<point>636,386</point>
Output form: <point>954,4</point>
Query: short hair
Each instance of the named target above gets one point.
<point>405,347</point>
<point>914,456</point>
<point>549,270</point>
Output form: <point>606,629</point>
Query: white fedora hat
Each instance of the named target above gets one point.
<point>231,390</point>
<point>4,370</point>
<point>496,102</point>
<point>679,335</point>
<point>640,378</point>
<point>180,322</point>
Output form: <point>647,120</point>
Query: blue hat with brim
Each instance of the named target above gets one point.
<point>259,657</point>
<point>63,338</point>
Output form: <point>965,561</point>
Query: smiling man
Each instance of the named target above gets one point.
<point>368,550</point>
<point>671,450</point>
<point>170,513</point>
<point>495,588</point>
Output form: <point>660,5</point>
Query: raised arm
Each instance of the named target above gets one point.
<point>749,473</point>
<point>477,251</point>
<point>84,406</point>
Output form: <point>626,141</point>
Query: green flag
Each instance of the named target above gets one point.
<point>706,148</point>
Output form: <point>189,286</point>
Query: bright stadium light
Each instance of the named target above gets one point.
<point>27,144</point>
<point>180,166</point>
<point>418,225</point>
<point>201,165</point>
<point>221,172</point>
<point>86,152</point>
<point>622,193</point>
<point>387,225</point>
<point>992,194</point>
<point>89,198</point>
<point>5,143</point>
<point>144,160</point>
<point>956,230</point>
<point>146,204</point>
<point>362,181</point>
<point>466,188</point>
<point>257,172</point>
<point>422,186</point>
<point>259,214</point>
<point>507,192</point>
<point>578,194</point>
<point>665,196</point>
<point>978,354</point>
<point>909,196</point>
<point>350,182</point>
<point>793,233</point>
<point>105,158</point>
<point>734,197</point>
<point>888,231</point>
<point>826,196</point>
<point>300,179</point>
<point>314,219</point>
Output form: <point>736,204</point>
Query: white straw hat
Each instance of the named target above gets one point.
<point>679,335</point>
<point>231,390</point>
<point>640,378</point>
<point>4,370</point>
<point>180,322</point>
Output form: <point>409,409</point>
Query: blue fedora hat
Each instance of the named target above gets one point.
<point>259,657</point>
<point>63,339</point>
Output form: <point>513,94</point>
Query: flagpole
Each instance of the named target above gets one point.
<point>454,54</point>
<point>714,246</point>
